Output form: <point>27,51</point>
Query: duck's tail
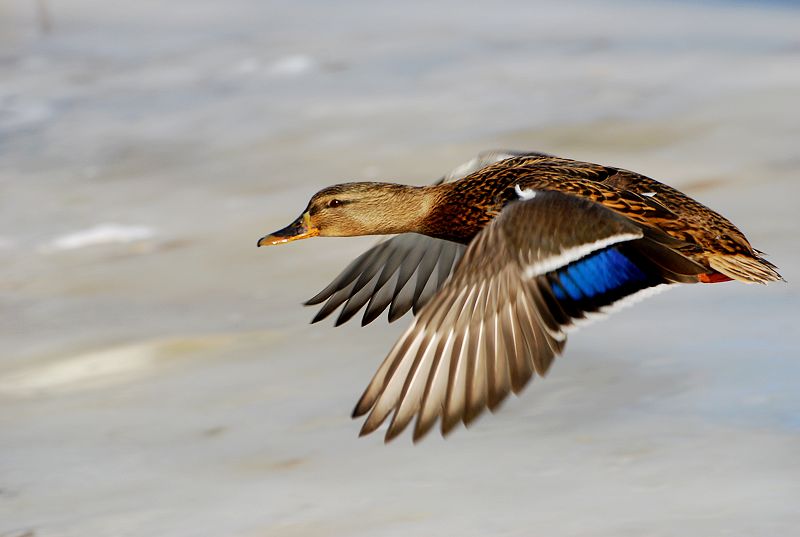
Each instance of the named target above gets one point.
<point>744,268</point>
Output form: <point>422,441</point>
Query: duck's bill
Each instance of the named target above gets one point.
<point>299,229</point>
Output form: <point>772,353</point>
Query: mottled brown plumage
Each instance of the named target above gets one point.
<point>463,208</point>
<point>506,253</point>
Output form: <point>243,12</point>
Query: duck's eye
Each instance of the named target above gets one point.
<point>334,203</point>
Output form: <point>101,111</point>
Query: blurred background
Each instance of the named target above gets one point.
<point>158,375</point>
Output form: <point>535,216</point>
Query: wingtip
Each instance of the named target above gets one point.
<point>395,313</point>
<point>314,300</point>
<point>369,316</point>
<point>360,409</point>
<point>495,402</point>
<point>422,429</point>
<point>370,426</point>
<point>346,313</point>
<point>472,414</point>
<point>448,425</point>
<point>318,317</point>
<point>391,433</point>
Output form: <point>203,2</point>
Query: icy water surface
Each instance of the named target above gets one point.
<point>158,375</point>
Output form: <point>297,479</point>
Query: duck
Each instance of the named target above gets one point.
<point>509,253</point>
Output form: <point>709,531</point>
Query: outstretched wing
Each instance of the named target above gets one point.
<point>542,264</point>
<point>380,277</point>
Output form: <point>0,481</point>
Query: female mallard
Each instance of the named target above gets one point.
<point>523,246</point>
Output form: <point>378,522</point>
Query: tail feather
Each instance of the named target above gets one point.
<point>744,268</point>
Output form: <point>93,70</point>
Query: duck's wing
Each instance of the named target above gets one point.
<point>542,264</point>
<point>710,237</point>
<point>380,277</point>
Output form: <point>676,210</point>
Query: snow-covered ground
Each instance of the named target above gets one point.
<point>158,375</point>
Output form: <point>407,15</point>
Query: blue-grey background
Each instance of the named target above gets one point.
<point>157,372</point>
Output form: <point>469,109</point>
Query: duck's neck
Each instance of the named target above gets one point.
<point>436,210</point>
<point>405,209</point>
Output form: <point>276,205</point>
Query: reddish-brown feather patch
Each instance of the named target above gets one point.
<point>713,278</point>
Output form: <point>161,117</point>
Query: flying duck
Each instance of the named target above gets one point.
<point>508,252</point>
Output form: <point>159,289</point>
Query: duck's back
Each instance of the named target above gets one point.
<point>709,237</point>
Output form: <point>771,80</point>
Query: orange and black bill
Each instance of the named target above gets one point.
<point>299,229</point>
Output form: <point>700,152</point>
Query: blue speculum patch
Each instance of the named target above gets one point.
<point>596,274</point>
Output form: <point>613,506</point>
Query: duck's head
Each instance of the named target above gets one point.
<point>351,209</point>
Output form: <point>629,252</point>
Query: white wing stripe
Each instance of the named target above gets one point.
<point>622,303</point>
<point>569,255</point>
